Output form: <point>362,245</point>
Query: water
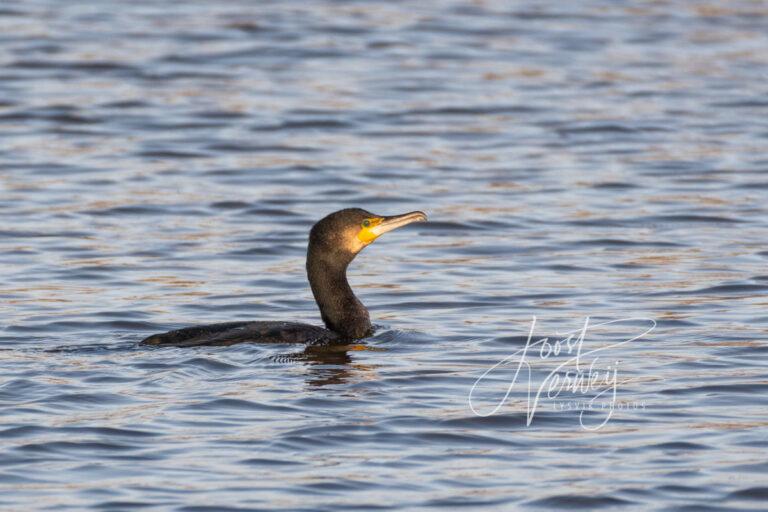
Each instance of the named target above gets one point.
<point>162,162</point>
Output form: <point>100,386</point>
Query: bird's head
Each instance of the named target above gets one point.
<point>347,232</point>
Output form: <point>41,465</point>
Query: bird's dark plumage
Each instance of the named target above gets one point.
<point>334,241</point>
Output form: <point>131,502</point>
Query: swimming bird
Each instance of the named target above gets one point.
<point>334,241</point>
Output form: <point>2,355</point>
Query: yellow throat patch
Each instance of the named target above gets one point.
<point>366,234</point>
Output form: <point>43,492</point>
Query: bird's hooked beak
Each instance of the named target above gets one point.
<point>398,221</point>
<point>380,225</point>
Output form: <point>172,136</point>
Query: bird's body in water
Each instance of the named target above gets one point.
<point>334,242</point>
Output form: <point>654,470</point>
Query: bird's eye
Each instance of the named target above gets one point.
<point>366,223</point>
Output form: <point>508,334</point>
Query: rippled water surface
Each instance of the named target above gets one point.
<point>162,162</point>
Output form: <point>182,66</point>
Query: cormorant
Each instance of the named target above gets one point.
<point>334,241</point>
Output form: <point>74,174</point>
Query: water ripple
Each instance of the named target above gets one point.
<point>163,162</point>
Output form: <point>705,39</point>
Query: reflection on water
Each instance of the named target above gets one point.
<point>327,364</point>
<point>161,165</point>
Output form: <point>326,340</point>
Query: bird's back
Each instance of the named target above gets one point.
<point>240,332</point>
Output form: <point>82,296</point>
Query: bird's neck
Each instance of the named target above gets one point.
<point>340,309</point>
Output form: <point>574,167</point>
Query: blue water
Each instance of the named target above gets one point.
<point>161,164</point>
